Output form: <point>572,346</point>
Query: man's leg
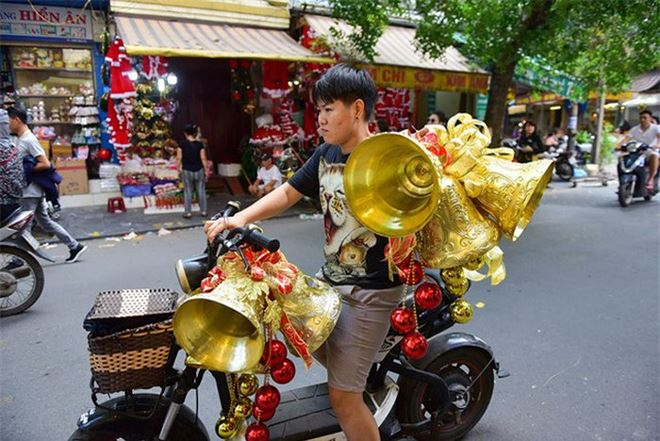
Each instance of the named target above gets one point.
<point>353,415</point>
<point>201,191</point>
<point>653,169</point>
<point>49,225</point>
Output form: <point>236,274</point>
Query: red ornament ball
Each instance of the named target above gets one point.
<point>257,432</point>
<point>411,274</point>
<point>236,95</point>
<point>104,154</point>
<point>250,94</point>
<point>267,397</point>
<point>403,320</point>
<point>233,64</point>
<point>245,64</point>
<point>275,353</point>
<point>262,415</point>
<point>283,372</point>
<point>428,295</point>
<point>414,346</point>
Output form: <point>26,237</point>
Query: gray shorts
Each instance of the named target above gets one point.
<point>361,329</point>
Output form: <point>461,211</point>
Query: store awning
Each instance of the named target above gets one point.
<point>646,82</point>
<point>400,64</point>
<point>187,38</point>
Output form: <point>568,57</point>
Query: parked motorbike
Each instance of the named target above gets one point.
<point>564,161</point>
<point>632,172</point>
<point>440,397</point>
<point>21,275</point>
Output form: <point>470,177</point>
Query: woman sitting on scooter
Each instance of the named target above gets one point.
<point>530,143</point>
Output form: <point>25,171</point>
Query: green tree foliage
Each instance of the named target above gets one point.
<point>599,42</point>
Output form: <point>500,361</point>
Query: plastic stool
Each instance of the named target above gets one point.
<point>116,205</point>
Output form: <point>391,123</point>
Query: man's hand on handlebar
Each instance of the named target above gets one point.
<point>213,228</point>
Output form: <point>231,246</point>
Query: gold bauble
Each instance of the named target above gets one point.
<point>458,289</point>
<point>475,264</point>
<point>248,384</point>
<point>453,276</point>
<point>242,409</point>
<point>226,427</point>
<point>461,311</point>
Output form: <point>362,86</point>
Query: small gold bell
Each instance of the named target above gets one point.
<point>458,289</point>
<point>226,427</point>
<point>452,276</point>
<point>461,311</point>
<point>248,384</point>
<point>475,264</point>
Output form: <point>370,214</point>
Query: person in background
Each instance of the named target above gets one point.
<point>383,126</point>
<point>33,195</point>
<point>268,178</point>
<point>191,163</point>
<point>529,142</point>
<point>555,138</point>
<point>649,134</point>
<point>437,117</point>
<point>11,171</point>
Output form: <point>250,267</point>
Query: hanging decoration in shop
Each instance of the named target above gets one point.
<point>276,79</point>
<point>120,100</point>
<point>393,107</point>
<point>242,90</point>
<point>154,67</point>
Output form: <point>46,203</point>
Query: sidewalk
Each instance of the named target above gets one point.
<point>95,222</point>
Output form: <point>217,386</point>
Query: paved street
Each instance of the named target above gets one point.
<point>575,322</point>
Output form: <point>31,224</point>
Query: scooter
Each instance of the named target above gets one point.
<point>440,397</point>
<point>632,173</point>
<point>21,275</point>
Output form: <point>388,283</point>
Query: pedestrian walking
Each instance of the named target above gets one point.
<point>191,162</point>
<point>33,194</point>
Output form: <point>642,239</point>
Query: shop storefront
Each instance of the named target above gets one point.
<point>51,65</point>
<point>410,85</point>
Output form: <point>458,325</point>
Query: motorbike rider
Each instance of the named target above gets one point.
<point>555,138</point>
<point>355,263</point>
<point>529,143</point>
<point>11,171</point>
<point>649,134</point>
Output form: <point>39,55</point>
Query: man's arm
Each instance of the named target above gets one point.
<point>202,155</point>
<point>275,202</point>
<point>42,163</point>
<point>179,156</point>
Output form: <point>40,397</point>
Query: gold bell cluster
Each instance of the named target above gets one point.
<point>445,196</point>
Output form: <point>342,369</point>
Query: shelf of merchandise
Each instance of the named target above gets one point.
<point>45,96</point>
<point>48,123</point>
<point>53,69</point>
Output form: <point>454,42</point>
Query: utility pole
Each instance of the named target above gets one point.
<point>595,150</point>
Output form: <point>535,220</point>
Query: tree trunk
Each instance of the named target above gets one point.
<point>595,151</point>
<point>500,83</point>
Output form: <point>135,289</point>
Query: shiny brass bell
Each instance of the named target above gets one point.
<point>457,233</point>
<point>510,192</point>
<point>391,184</point>
<point>222,330</point>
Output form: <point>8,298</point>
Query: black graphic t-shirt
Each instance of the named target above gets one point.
<point>353,254</point>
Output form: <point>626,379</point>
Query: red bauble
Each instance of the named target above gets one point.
<point>276,350</point>
<point>414,346</point>
<point>411,274</point>
<point>236,95</point>
<point>245,64</point>
<point>283,372</point>
<point>104,154</point>
<point>428,295</point>
<point>262,415</point>
<point>257,432</point>
<point>250,94</point>
<point>267,398</point>
<point>403,320</point>
<point>233,64</point>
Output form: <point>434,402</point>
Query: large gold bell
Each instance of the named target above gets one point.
<point>391,184</point>
<point>510,192</point>
<point>222,329</point>
<point>457,233</point>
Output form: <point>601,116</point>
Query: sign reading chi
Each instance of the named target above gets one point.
<point>22,21</point>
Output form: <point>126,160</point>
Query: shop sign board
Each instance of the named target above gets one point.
<point>480,107</point>
<point>424,79</point>
<point>27,22</point>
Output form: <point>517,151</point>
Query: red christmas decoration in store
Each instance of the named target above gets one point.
<point>275,78</point>
<point>428,295</point>
<point>393,107</point>
<point>262,415</point>
<point>249,94</point>
<point>403,320</point>
<point>274,353</point>
<point>411,273</point>
<point>104,154</point>
<point>414,345</point>
<point>236,95</point>
<point>233,64</point>
<point>257,432</point>
<point>267,397</point>
<point>283,372</point>
<point>154,66</point>
<point>120,104</point>
<point>246,64</point>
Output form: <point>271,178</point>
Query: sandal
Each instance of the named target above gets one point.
<point>204,214</point>
<point>187,215</point>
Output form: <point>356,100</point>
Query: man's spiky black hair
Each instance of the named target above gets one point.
<point>346,83</point>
